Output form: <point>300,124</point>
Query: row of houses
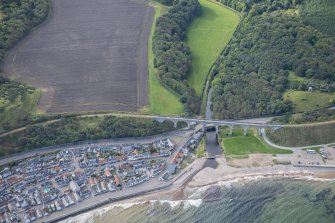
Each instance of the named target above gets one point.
<point>41,185</point>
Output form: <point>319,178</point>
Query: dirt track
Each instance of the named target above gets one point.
<point>89,55</point>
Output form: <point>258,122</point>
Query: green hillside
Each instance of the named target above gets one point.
<point>304,135</point>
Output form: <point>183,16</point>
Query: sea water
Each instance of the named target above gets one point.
<point>260,200</point>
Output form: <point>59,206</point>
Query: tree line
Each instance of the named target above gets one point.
<point>17,18</point>
<point>166,2</point>
<point>73,129</point>
<point>172,57</point>
<point>252,73</point>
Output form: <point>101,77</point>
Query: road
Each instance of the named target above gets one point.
<point>97,142</point>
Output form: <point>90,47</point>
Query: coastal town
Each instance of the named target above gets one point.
<point>62,181</point>
<point>38,186</point>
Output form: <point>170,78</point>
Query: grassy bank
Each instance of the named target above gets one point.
<point>293,78</point>
<point>304,135</point>
<point>15,112</point>
<point>161,100</point>
<point>238,144</point>
<point>207,37</point>
<point>308,101</point>
<point>201,151</point>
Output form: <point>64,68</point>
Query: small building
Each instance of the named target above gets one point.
<point>74,186</point>
<point>172,168</point>
<point>117,181</point>
<point>112,148</point>
<point>310,151</point>
<point>197,136</point>
<point>108,173</point>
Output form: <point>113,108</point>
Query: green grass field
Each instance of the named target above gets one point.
<point>161,100</point>
<point>304,135</point>
<point>12,112</point>
<point>309,101</point>
<point>207,36</point>
<point>89,123</point>
<point>238,144</point>
<point>293,78</point>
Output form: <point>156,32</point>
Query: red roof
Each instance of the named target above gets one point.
<point>67,174</point>
<point>101,160</point>
<point>91,181</point>
<point>78,172</point>
<point>14,179</point>
<point>117,180</point>
<point>57,168</point>
<point>108,172</point>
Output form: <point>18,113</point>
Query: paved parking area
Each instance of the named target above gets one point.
<point>301,157</point>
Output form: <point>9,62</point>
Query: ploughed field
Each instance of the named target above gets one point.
<point>89,55</point>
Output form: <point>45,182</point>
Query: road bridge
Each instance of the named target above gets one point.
<point>189,121</point>
<point>210,123</point>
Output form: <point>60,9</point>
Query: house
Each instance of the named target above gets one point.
<point>74,186</point>
<point>117,182</point>
<point>169,143</point>
<point>14,179</point>
<point>108,173</point>
<point>197,136</point>
<point>146,155</point>
<point>127,149</point>
<point>165,176</point>
<point>171,168</point>
<point>6,172</point>
<point>111,148</point>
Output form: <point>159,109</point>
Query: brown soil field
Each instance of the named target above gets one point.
<point>88,56</point>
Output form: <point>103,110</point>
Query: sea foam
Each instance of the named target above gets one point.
<point>91,215</point>
<point>185,203</point>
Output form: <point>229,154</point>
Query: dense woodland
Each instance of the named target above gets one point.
<point>70,130</point>
<point>319,14</point>
<point>272,39</point>
<point>166,2</point>
<point>172,57</point>
<point>17,17</point>
<point>11,90</point>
